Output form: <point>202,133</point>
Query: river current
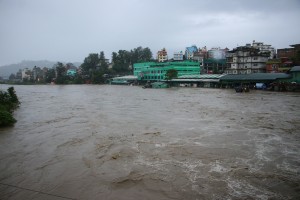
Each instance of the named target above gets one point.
<point>122,142</point>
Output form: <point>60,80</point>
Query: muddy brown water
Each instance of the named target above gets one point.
<point>122,142</point>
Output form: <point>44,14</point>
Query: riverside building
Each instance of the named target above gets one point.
<point>246,60</point>
<point>162,56</point>
<point>152,71</point>
<point>189,52</point>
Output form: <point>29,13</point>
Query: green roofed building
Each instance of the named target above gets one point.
<point>295,74</point>
<point>152,71</point>
<point>256,77</point>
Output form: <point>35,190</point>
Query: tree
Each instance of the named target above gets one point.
<point>12,77</point>
<point>90,63</point>
<point>61,71</point>
<point>121,61</point>
<point>50,75</point>
<point>8,102</point>
<point>103,64</point>
<point>170,74</point>
<point>141,54</point>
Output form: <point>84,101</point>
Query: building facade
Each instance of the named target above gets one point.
<point>265,48</point>
<point>26,74</point>
<point>213,66</point>
<point>217,53</point>
<point>152,71</point>
<point>246,60</point>
<point>189,52</point>
<point>162,55</point>
<point>178,56</point>
<point>279,65</point>
<point>292,53</point>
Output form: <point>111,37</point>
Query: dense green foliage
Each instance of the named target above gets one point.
<point>123,60</point>
<point>8,102</point>
<point>170,74</point>
<point>95,69</point>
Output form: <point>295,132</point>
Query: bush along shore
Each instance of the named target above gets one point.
<point>8,103</point>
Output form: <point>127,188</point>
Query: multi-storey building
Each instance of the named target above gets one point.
<point>265,48</point>
<point>152,71</point>
<point>189,52</point>
<point>26,74</point>
<point>290,53</point>
<point>213,66</point>
<point>178,56</point>
<point>246,60</point>
<point>217,53</point>
<point>162,56</point>
<point>200,54</point>
<point>279,65</point>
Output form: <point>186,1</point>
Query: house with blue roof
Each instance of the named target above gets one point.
<point>189,52</point>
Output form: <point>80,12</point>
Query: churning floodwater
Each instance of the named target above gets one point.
<point>121,142</point>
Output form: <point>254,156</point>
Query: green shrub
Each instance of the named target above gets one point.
<point>6,118</point>
<point>8,102</point>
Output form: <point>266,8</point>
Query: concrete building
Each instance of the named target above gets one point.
<point>152,71</point>
<point>265,48</point>
<point>217,53</point>
<point>189,52</point>
<point>246,60</point>
<point>200,55</point>
<point>178,56</point>
<point>213,66</point>
<point>162,56</point>
<point>290,53</point>
<point>279,65</point>
<point>26,73</point>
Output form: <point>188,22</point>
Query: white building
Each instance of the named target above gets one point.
<point>25,73</point>
<point>178,56</point>
<point>246,60</point>
<point>265,48</point>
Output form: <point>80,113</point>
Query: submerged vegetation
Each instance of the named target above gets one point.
<point>8,103</point>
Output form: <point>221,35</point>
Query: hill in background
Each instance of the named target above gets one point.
<point>7,70</point>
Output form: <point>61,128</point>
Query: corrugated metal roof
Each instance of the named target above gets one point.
<point>130,77</point>
<point>195,80</point>
<point>295,69</point>
<point>201,76</point>
<point>254,77</point>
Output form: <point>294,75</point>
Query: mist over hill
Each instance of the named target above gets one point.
<point>7,70</point>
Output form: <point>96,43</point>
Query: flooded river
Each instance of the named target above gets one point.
<point>121,142</point>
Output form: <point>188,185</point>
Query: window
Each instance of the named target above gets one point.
<point>255,58</point>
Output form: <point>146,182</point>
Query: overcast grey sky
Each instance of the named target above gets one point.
<point>68,30</point>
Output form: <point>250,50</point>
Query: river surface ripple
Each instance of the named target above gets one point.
<point>122,142</point>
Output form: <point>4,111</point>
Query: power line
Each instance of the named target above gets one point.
<point>45,193</point>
